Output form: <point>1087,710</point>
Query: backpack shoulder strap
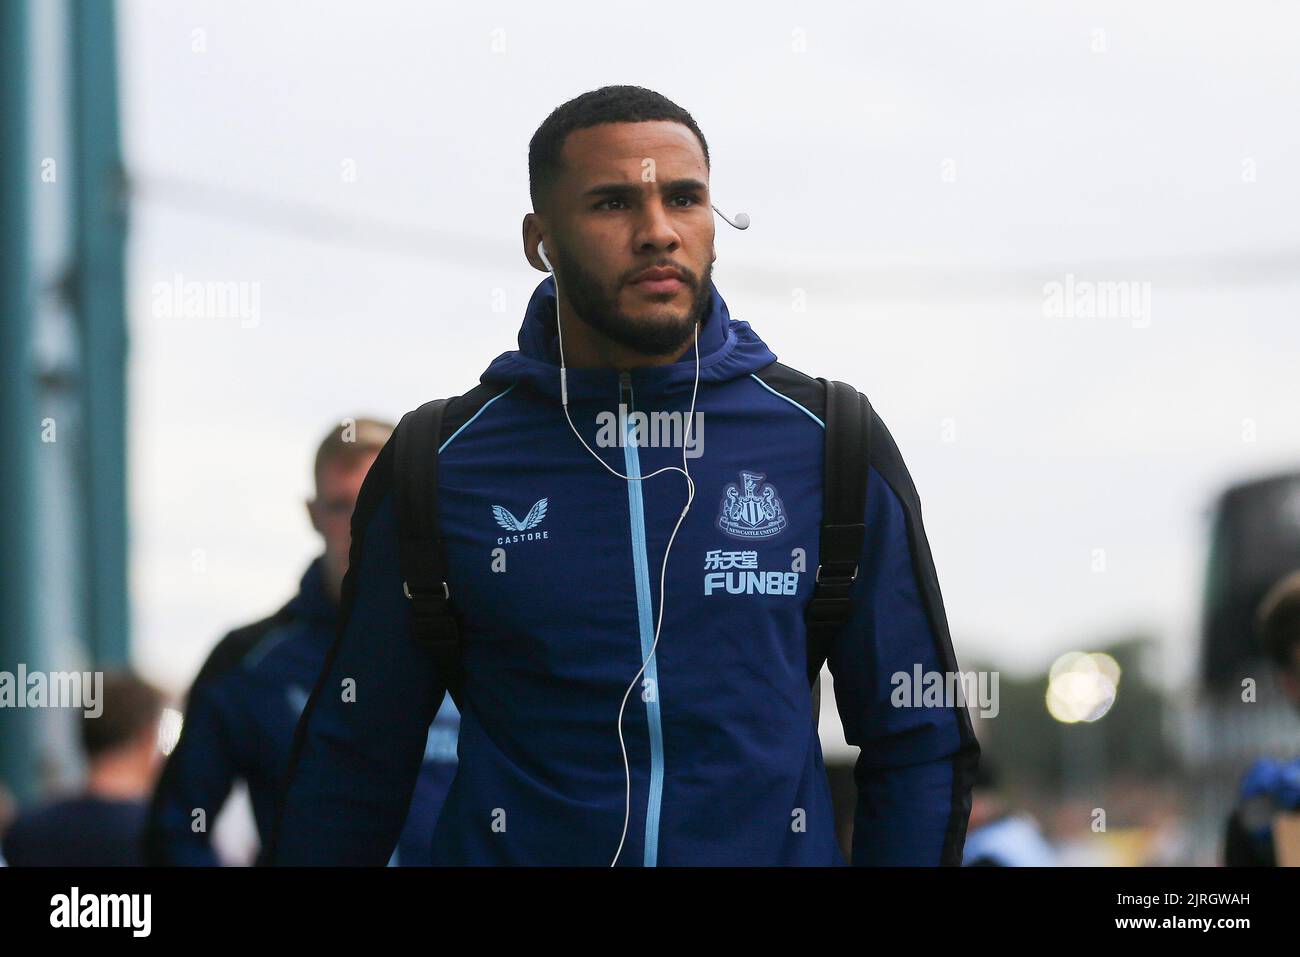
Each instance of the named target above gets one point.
<point>844,499</point>
<point>423,557</point>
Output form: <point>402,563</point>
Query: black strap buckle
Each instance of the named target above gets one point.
<point>836,579</point>
<point>446,592</point>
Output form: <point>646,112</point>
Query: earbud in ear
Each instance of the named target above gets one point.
<point>541,251</point>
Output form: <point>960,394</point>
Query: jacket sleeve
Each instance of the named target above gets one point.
<point>917,762</point>
<point>360,741</point>
<point>198,776</point>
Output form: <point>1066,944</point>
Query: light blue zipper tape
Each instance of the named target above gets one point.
<point>645,615</point>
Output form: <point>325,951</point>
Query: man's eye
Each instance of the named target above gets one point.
<point>694,201</point>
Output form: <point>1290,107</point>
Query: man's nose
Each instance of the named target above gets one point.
<point>657,230</point>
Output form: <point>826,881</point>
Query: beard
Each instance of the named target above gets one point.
<point>661,332</point>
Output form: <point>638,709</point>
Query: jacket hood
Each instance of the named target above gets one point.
<point>729,349</point>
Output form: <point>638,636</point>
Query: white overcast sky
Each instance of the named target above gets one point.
<point>920,170</point>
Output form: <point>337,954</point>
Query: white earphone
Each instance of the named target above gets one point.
<point>690,495</point>
<point>741,222</point>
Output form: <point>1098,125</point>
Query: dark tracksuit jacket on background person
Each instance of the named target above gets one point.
<point>83,831</point>
<point>239,723</point>
<point>558,610</point>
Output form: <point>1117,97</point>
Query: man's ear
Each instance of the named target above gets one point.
<point>311,514</point>
<point>531,227</point>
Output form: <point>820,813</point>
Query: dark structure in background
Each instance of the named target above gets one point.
<point>1225,725</point>
<point>1255,542</point>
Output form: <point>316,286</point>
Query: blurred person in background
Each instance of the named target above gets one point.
<point>101,826</point>
<point>245,703</point>
<point>999,836</point>
<point>1269,786</point>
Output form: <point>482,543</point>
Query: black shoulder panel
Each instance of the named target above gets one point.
<point>464,407</point>
<point>793,384</point>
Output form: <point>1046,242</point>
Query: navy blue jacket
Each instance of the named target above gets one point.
<point>84,831</point>
<point>239,723</point>
<point>554,565</point>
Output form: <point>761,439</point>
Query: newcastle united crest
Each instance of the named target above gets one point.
<point>753,510</point>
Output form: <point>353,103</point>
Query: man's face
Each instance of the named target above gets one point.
<point>331,511</point>
<point>151,756</point>
<point>633,196</point>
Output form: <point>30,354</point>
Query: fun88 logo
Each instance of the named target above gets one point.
<point>738,574</point>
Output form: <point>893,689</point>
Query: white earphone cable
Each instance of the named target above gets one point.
<point>690,497</point>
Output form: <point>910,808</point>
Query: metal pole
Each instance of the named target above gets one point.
<point>18,391</point>
<point>98,291</point>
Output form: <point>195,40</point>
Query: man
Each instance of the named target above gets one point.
<point>1270,786</point>
<point>101,827</point>
<point>714,759</point>
<point>247,698</point>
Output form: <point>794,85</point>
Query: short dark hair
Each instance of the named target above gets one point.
<point>609,104</point>
<point>130,706</point>
<point>1278,621</point>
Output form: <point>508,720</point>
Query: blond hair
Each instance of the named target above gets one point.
<point>350,441</point>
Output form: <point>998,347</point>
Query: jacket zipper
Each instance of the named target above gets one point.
<point>645,618</point>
